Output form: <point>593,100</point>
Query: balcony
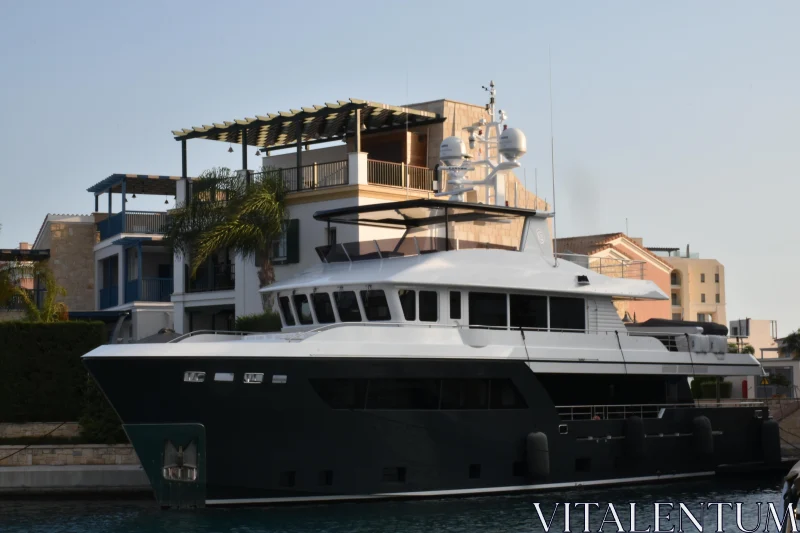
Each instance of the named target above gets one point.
<point>211,277</point>
<point>336,173</point>
<point>148,290</point>
<point>146,222</point>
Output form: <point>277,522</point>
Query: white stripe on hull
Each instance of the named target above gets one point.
<point>460,492</point>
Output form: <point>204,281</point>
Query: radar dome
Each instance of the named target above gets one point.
<point>512,144</point>
<point>452,151</point>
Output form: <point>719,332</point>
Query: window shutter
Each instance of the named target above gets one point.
<point>293,241</point>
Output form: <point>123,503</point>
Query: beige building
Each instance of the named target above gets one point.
<point>697,286</point>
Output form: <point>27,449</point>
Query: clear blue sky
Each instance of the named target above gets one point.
<point>681,116</point>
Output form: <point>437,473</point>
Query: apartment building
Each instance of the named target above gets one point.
<point>762,335</point>
<point>697,286</point>
<point>342,154</point>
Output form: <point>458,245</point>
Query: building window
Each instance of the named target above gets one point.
<point>701,317</point>
<point>735,331</point>
<point>323,307</point>
<point>567,314</point>
<point>676,316</point>
<point>703,298</point>
<point>675,298</point>
<point>488,309</point>
<point>674,279</point>
<point>428,306</point>
<point>279,246</point>
<point>375,305</point>
<point>286,248</point>
<point>455,305</point>
<point>716,278</point>
<point>528,311</point>
<point>286,310</point>
<point>303,309</point>
<point>347,305</point>
<point>408,301</point>
<point>717,298</point>
<point>702,278</point>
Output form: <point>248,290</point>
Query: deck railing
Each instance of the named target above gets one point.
<point>314,176</point>
<point>608,266</point>
<point>148,222</point>
<point>152,290</point>
<point>621,412</point>
<point>399,175</point>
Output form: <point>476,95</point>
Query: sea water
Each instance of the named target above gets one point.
<point>516,513</point>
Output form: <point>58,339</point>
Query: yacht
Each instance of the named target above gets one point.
<point>460,357</point>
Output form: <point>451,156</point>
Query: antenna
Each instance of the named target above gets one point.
<point>552,155</point>
<point>525,175</point>
<point>536,186</point>
<point>626,227</point>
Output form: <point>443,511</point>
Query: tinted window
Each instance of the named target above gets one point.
<point>408,302</point>
<point>505,395</point>
<point>428,306</point>
<point>528,311</point>
<point>455,304</point>
<point>323,307</point>
<point>303,309</point>
<point>465,394</point>
<point>286,310</point>
<point>403,394</point>
<point>567,314</point>
<point>341,393</point>
<point>487,309</point>
<point>347,305</point>
<point>375,305</point>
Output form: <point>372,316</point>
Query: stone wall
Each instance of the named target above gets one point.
<point>71,260</point>
<point>39,429</point>
<point>78,454</point>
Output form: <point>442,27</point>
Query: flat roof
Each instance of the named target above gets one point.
<point>318,123</point>
<point>23,255</point>
<point>421,212</point>
<point>137,184</point>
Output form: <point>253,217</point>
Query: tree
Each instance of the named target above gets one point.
<point>50,309</point>
<point>225,213</point>
<point>734,348</point>
<point>790,347</point>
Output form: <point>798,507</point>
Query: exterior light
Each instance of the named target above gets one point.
<point>258,152</point>
<point>134,195</point>
<point>165,200</point>
<point>230,149</point>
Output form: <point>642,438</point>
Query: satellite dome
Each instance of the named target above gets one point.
<point>452,151</point>
<point>512,144</point>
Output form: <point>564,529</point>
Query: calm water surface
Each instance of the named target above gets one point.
<point>485,514</point>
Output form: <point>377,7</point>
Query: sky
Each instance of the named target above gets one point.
<point>681,117</point>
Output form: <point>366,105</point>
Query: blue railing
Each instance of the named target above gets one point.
<point>109,296</point>
<point>153,290</point>
<point>148,222</point>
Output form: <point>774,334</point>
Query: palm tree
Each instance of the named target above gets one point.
<point>49,309</point>
<point>790,347</point>
<point>226,213</point>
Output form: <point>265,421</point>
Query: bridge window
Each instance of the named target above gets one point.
<point>286,310</point>
<point>465,394</point>
<point>375,305</point>
<point>488,309</point>
<point>403,394</point>
<point>408,301</point>
<point>323,307</point>
<point>455,305</point>
<point>567,314</point>
<point>428,306</point>
<point>303,309</point>
<point>347,305</point>
<point>528,311</point>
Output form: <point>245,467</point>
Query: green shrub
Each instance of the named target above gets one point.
<point>41,375</point>
<point>262,322</point>
<point>706,388</point>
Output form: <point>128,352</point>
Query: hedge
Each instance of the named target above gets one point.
<point>706,388</point>
<point>262,322</point>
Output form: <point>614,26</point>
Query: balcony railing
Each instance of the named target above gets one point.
<point>608,266</point>
<point>152,290</point>
<point>211,278</point>
<point>148,222</point>
<point>399,175</point>
<point>109,296</point>
<point>16,303</point>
